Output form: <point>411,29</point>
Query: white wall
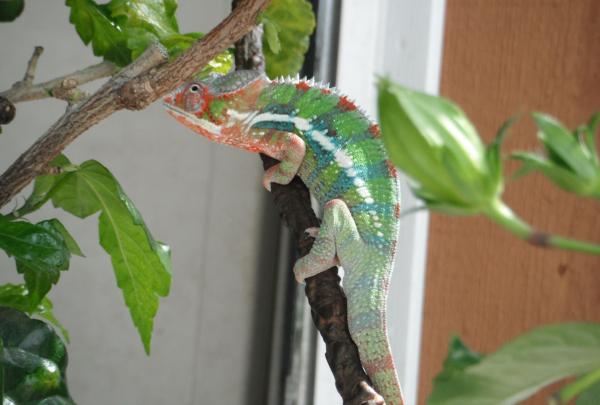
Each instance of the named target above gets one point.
<point>204,200</point>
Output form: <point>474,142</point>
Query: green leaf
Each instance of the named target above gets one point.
<point>521,367</point>
<point>121,30</point>
<point>38,247</point>
<point>220,65</point>
<point>492,152</point>
<point>155,16</point>
<point>590,396</point>
<point>40,280</point>
<point>589,138</point>
<point>34,360</point>
<point>288,26</point>
<point>272,36</point>
<point>571,160</point>
<point>142,266</point>
<point>68,238</point>
<point>45,310</point>
<point>75,195</point>
<point>17,296</point>
<point>94,25</point>
<point>11,9</point>
<point>177,43</point>
<point>560,175</point>
<point>459,358</point>
<point>562,145</point>
<point>42,188</point>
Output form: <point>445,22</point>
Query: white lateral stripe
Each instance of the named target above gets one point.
<point>252,118</point>
<point>207,125</point>
<point>322,140</point>
<point>344,161</point>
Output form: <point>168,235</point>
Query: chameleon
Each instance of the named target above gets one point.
<point>321,136</point>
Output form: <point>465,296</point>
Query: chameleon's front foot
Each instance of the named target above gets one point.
<point>290,149</point>
<point>276,174</point>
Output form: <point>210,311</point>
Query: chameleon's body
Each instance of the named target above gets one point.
<point>322,137</point>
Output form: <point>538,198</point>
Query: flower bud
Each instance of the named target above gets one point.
<point>571,159</point>
<point>433,142</point>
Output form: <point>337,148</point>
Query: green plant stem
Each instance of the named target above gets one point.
<point>575,388</point>
<point>570,244</point>
<point>501,213</point>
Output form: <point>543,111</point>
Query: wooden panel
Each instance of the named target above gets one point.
<point>500,58</point>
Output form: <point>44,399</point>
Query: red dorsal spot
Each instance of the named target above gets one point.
<point>391,168</point>
<point>346,104</point>
<point>397,211</point>
<point>374,129</point>
<point>303,86</point>
<point>326,91</point>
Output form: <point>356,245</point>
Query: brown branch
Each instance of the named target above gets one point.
<point>134,87</point>
<point>324,293</point>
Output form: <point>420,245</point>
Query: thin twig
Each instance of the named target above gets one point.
<point>19,92</point>
<point>135,87</point>
<point>32,65</point>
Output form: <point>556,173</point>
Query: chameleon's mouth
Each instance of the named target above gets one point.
<point>192,119</point>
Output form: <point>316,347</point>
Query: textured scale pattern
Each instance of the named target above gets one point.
<point>324,138</point>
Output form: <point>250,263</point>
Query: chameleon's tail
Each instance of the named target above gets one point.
<point>367,324</point>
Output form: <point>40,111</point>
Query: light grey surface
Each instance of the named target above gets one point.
<point>204,200</point>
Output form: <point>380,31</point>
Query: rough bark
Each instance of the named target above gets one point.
<point>135,87</point>
<point>324,293</point>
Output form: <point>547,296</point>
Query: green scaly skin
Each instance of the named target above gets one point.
<point>325,139</point>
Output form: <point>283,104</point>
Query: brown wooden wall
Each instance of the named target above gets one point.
<point>503,57</point>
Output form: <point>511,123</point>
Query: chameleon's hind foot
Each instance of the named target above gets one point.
<point>337,223</point>
<point>302,271</point>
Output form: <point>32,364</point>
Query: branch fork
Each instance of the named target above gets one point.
<point>135,87</point>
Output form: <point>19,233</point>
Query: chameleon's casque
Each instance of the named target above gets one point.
<point>336,150</point>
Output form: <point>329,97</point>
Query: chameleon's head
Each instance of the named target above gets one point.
<point>203,105</point>
<point>190,105</point>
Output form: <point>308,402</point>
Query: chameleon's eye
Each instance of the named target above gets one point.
<point>194,88</point>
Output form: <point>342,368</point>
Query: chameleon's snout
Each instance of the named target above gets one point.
<point>171,97</point>
<point>168,99</point>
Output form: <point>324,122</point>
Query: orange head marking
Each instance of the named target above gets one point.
<point>189,104</point>
<point>192,98</point>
